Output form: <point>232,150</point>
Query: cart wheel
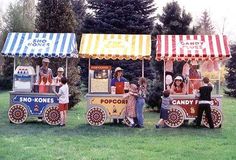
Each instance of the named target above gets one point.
<point>175,117</point>
<point>96,116</point>
<point>17,113</point>
<point>52,115</point>
<point>217,118</point>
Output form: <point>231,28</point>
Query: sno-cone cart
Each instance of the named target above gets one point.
<point>102,103</point>
<point>25,99</point>
<point>200,55</point>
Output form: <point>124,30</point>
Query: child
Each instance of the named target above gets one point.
<point>142,89</point>
<point>205,102</point>
<point>63,95</point>
<point>130,112</point>
<point>164,108</point>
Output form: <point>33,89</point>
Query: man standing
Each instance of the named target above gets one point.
<point>205,102</point>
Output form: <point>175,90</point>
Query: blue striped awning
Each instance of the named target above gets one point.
<point>40,45</point>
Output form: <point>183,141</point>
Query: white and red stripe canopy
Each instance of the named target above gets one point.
<point>192,47</point>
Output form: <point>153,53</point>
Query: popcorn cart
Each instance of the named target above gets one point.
<point>25,99</point>
<point>201,55</point>
<point>102,102</point>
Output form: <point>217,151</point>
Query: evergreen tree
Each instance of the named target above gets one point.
<point>120,17</point>
<point>18,18</point>
<point>231,69</point>
<point>57,16</point>
<point>205,25</point>
<point>173,21</point>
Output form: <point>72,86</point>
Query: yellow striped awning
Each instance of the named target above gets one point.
<point>115,46</point>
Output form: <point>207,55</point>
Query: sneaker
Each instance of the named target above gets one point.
<point>39,119</point>
<point>157,126</point>
<point>133,125</point>
<point>139,126</point>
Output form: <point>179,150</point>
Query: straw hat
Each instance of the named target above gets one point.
<point>46,60</point>
<point>118,69</point>
<point>60,69</point>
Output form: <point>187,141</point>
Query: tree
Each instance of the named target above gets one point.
<point>120,17</point>
<point>18,18</point>
<point>57,16</point>
<point>172,21</point>
<point>231,69</point>
<point>205,25</point>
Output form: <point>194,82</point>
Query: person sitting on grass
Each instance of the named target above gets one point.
<point>63,95</point>
<point>164,109</point>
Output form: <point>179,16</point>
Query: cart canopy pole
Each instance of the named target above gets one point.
<point>89,75</point>
<point>219,74</point>
<point>142,67</point>
<point>164,80</point>
<point>14,65</point>
<point>66,66</point>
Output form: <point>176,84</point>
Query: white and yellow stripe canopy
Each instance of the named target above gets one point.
<point>115,46</point>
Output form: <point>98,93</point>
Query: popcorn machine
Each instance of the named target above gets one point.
<point>99,79</point>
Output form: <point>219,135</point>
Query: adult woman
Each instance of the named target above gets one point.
<point>118,76</point>
<point>142,89</point>
<point>178,87</point>
<point>118,82</point>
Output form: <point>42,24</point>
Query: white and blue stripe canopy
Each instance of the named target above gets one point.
<point>40,45</point>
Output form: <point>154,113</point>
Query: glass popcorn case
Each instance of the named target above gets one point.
<point>99,79</point>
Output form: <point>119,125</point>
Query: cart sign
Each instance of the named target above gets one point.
<point>191,102</point>
<point>35,103</point>
<point>192,45</point>
<point>38,44</point>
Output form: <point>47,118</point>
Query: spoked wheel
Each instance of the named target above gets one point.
<point>52,115</point>
<point>17,114</point>
<point>217,118</point>
<point>96,116</point>
<point>175,117</point>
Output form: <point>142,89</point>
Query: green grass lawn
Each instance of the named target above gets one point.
<point>78,140</point>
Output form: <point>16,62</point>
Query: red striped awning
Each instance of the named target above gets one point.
<point>192,47</point>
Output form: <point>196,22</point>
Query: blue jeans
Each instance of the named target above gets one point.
<point>139,110</point>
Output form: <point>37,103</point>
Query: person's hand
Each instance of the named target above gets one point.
<point>168,87</point>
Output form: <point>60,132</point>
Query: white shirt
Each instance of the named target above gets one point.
<point>64,94</point>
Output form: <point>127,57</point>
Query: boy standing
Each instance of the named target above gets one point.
<point>205,102</point>
<point>63,95</point>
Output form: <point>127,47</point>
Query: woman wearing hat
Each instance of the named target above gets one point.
<point>178,87</point>
<point>45,76</point>
<point>118,76</point>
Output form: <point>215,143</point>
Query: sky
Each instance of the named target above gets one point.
<point>222,13</point>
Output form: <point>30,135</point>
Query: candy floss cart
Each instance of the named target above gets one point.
<point>103,101</point>
<point>25,99</point>
<point>200,55</point>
